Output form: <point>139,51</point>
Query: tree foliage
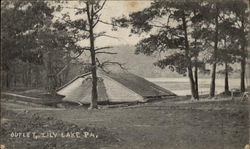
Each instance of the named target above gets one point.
<point>29,34</point>
<point>190,34</point>
<point>20,23</point>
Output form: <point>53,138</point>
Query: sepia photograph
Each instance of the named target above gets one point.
<point>125,74</point>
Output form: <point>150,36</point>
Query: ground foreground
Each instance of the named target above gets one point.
<point>167,124</point>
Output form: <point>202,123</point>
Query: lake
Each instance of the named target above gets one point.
<point>181,86</point>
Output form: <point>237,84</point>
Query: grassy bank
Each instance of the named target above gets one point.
<point>166,124</point>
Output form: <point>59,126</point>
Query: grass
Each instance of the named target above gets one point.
<point>166,124</point>
<point>24,123</point>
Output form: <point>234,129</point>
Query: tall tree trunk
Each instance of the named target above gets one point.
<point>243,57</point>
<point>14,77</point>
<point>29,75</point>
<point>213,76</point>
<point>37,76</point>
<point>212,84</point>
<point>196,68</point>
<point>94,97</point>
<point>8,79</point>
<point>226,90</point>
<point>189,67</point>
<point>51,78</point>
<point>26,76</point>
<point>226,85</point>
<point>192,83</point>
<point>196,81</point>
<point>242,75</point>
<point>66,72</point>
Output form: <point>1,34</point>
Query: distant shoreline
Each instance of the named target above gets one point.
<point>181,86</point>
<point>180,79</point>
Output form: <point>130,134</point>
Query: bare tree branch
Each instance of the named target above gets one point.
<point>73,8</point>
<point>105,35</point>
<point>107,23</point>
<point>101,48</point>
<point>97,11</point>
<point>101,66</point>
<point>79,54</point>
<point>105,52</point>
<point>162,25</point>
<point>105,63</point>
<point>64,68</point>
<point>97,21</point>
<point>66,21</point>
<point>72,58</point>
<point>154,25</point>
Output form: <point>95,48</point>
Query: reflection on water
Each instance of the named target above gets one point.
<point>181,86</point>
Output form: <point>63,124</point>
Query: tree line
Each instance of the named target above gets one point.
<point>35,49</point>
<point>192,34</point>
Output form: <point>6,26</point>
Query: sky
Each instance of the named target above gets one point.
<point>110,10</point>
<point>117,9</point>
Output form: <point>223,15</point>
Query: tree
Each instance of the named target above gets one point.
<point>228,35</point>
<point>240,10</point>
<point>20,22</point>
<point>178,41</point>
<point>213,76</point>
<point>211,16</point>
<point>56,46</point>
<point>89,13</point>
<point>30,35</point>
<point>228,52</point>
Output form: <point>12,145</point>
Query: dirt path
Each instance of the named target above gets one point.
<point>162,125</point>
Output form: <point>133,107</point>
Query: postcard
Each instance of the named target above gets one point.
<point>123,74</point>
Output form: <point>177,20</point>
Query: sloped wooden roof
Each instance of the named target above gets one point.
<point>138,84</point>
